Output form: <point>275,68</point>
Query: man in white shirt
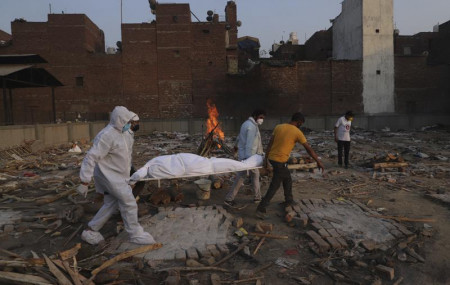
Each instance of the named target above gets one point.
<point>342,136</point>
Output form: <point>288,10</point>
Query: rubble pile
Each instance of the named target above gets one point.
<point>358,225</point>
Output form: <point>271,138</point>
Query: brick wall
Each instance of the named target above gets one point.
<point>4,36</point>
<point>140,69</point>
<point>320,45</point>
<point>416,44</point>
<point>170,67</point>
<point>421,88</point>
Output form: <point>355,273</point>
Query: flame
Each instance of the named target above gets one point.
<point>213,121</point>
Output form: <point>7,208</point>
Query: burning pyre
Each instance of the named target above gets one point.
<point>214,136</point>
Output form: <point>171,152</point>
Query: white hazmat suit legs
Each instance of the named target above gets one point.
<point>109,162</point>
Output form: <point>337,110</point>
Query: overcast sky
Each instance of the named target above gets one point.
<point>270,21</point>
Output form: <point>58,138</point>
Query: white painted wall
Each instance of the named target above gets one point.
<point>355,38</point>
<point>348,32</point>
<point>378,55</point>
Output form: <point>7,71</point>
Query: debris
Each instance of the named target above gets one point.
<point>62,279</point>
<point>398,281</point>
<point>124,255</point>
<point>204,268</point>
<point>422,155</point>
<point>215,279</point>
<point>411,252</point>
<point>286,262</point>
<point>75,149</point>
<point>23,278</point>
<point>263,227</point>
<point>269,236</point>
<point>404,219</point>
<point>193,263</point>
<point>246,274</point>
<point>259,244</point>
<point>385,272</point>
<point>241,247</point>
<point>238,222</point>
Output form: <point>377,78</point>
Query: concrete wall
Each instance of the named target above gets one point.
<point>57,134</point>
<point>348,31</point>
<point>378,56</point>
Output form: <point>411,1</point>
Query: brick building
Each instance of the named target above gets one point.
<point>167,68</point>
<point>170,67</point>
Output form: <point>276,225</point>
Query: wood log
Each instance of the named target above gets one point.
<point>205,268</point>
<point>52,198</point>
<point>241,247</point>
<point>389,165</point>
<point>175,195</point>
<point>268,235</point>
<point>10,253</point>
<point>62,279</point>
<point>73,273</point>
<point>302,166</point>
<point>160,197</point>
<point>14,263</point>
<point>217,184</point>
<point>12,277</point>
<point>124,255</point>
<point>70,252</point>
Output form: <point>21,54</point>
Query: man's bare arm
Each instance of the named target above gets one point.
<point>269,147</point>
<point>311,152</point>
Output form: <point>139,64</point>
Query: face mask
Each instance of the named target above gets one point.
<point>126,127</point>
<point>135,128</point>
<point>259,121</point>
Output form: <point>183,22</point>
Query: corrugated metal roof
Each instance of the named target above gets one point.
<point>7,69</point>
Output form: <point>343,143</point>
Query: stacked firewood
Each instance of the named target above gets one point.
<point>211,143</point>
<point>390,161</point>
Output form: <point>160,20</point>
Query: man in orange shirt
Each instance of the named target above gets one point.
<point>283,140</point>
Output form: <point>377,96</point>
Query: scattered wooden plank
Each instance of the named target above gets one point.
<point>19,278</point>
<point>241,247</point>
<point>10,253</point>
<point>302,166</point>
<point>72,235</point>
<point>205,268</point>
<point>269,236</point>
<point>52,198</point>
<point>385,272</point>
<point>73,273</point>
<point>70,252</point>
<point>215,279</point>
<point>14,263</point>
<point>124,255</point>
<point>389,165</point>
<point>62,279</point>
<point>259,244</point>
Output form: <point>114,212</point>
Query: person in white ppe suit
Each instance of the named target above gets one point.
<point>248,144</point>
<point>109,162</point>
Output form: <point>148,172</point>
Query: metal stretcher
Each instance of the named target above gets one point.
<point>195,175</point>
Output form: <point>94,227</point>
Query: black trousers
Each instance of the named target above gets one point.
<point>346,146</point>
<point>281,174</point>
